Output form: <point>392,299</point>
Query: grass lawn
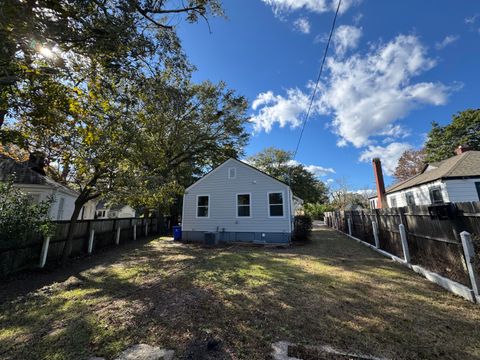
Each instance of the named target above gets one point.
<point>331,291</point>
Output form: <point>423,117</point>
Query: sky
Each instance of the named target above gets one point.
<point>392,68</point>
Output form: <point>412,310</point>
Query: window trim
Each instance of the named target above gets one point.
<point>283,204</point>
<point>393,202</point>
<point>430,192</point>
<point>249,205</point>
<point>235,172</point>
<point>208,207</point>
<point>407,193</point>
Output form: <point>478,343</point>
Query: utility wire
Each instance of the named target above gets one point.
<point>318,80</point>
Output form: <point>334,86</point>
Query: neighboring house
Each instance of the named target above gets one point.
<point>30,177</point>
<point>456,179</point>
<point>105,211</point>
<point>237,202</point>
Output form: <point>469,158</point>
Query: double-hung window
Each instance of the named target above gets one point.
<point>203,204</point>
<point>243,205</point>
<point>436,195</point>
<point>410,197</point>
<point>275,204</point>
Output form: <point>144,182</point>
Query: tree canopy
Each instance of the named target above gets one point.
<point>279,164</point>
<point>463,130</point>
<point>410,164</point>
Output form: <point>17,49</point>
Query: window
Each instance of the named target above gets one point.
<point>275,204</point>
<point>61,204</point>
<point>410,198</point>
<point>202,206</point>
<point>35,198</point>
<point>393,202</point>
<point>477,185</point>
<point>243,205</point>
<point>436,196</point>
<point>232,173</point>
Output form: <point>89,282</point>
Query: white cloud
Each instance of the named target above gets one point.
<point>471,19</point>
<point>368,94</point>
<point>319,170</point>
<point>316,170</point>
<point>389,155</point>
<point>318,6</point>
<point>302,25</point>
<point>278,109</point>
<point>446,41</point>
<point>346,37</point>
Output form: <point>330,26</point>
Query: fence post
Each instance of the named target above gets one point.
<point>469,256</point>
<point>375,234</point>
<point>117,238</point>
<point>90,241</point>
<point>403,237</point>
<point>146,227</point>
<point>134,232</point>
<point>44,253</point>
<point>349,222</point>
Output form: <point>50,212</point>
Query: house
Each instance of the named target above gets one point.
<point>237,202</point>
<point>456,179</point>
<point>30,177</point>
<point>105,211</point>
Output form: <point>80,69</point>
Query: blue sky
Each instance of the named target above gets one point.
<point>393,68</point>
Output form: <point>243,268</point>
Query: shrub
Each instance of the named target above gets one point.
<point>316,211</point>
<point>19,215</point>
<point>302,228</point>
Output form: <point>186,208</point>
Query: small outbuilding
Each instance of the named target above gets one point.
<point>236,202</point>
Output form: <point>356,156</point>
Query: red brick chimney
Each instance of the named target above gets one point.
<point>381,196</point>
<point>462,149</point>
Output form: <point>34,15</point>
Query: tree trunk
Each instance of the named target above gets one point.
<point>67,247</point>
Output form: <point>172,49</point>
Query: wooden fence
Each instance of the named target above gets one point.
<point>90,235</point>
<point>432,236</point>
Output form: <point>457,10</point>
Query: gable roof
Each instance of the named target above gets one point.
<point>242,163</point>
<point>23,174</point>
<point>460,166</point>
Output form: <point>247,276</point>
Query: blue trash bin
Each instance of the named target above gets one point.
<point>177,233</point>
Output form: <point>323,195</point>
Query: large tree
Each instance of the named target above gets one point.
<point>410,164</point>
<point>279,164</point>
<point>182,130</point>
<point>41,41</point>
<point>463,130</point>
<point>70,74</point>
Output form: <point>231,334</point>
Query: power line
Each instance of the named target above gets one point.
<point>318,80</point>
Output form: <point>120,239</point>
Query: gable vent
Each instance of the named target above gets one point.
<point>232,173</point>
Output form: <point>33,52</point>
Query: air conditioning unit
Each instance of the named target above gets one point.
<point>210,238</point>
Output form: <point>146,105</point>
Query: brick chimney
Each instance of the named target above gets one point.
<point>381,196</point>
<point>462,149</point>
<point>36,162</point>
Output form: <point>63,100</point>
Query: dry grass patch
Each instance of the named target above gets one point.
<point>234,302</point>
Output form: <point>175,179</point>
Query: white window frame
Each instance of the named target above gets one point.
<point>283,204</point>
<point>407,193</point>
<point>235,173</point>
<point>393,202</point>
<point>249,205</point>
<point>430,192</point>
<point>208,207</point>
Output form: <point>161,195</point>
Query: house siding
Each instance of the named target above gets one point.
<point>462,190</point>
<point>222,192</point>
<point>421,194</point>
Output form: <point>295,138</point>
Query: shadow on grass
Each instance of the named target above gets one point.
<point>331,291</point>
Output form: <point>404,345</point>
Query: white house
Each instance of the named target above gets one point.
<point>31,179</point>
<point>456,179</point>
<point>106,211</point>
<point>237,202</point>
